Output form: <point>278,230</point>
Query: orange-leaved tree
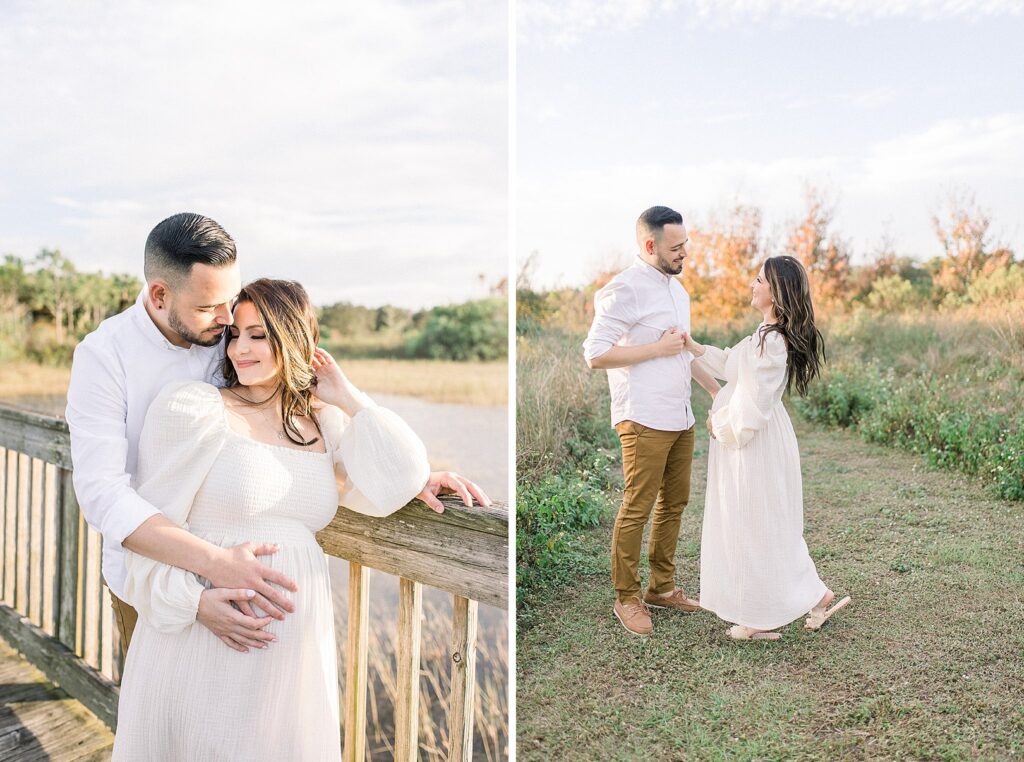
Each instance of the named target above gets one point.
<point>825,255</point>
<point>723,258</point>
<point>962,228</point>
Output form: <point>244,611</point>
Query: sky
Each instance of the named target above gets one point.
<point>359,148</point>
<point>887,107</point>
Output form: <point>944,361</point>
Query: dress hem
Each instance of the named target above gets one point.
<point>759,626</point>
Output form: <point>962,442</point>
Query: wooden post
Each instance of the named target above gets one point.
<point>11,526</point>
<point>91,601</point>
<point>3,524</point>
<point>24,541</point>
<point>37,504</point>
<point>66,585</point>
<point>356,661</point>
<point>51,550</point>
<point>460,706</point>
<point>410,615</point>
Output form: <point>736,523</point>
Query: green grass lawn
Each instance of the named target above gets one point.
<point>928,662</point>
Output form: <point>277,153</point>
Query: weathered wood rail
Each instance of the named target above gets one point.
<point>54,606</point>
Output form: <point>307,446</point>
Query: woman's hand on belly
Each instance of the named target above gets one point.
<point>235,629</point>
<point>239,567</point>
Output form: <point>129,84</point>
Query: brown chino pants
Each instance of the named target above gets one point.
<point>125,617</point>
<point>656,465</point>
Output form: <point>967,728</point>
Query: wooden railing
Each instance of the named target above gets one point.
<point>55,607</point>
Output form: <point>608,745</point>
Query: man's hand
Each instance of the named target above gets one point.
<point>448,483</point>
<point>239,568</point>
<point>671,343</point>
<point>235,629</point>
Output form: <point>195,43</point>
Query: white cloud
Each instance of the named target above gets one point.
<point>958,150</point>
<point>902,176</point>
<point>320,134</point>
<point>567,22</point>
<point>564,22</point>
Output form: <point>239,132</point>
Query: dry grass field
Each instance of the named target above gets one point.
<point>467,383</point>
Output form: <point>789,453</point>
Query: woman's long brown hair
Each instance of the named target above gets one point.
<point>794,313</point>
<point>293,332</point>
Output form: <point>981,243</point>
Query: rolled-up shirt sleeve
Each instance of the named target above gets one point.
<point>615,312</point>
<point>96,415</point>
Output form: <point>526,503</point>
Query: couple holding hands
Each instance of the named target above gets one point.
<point>755,569</point>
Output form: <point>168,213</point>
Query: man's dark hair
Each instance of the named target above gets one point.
<point>181,241</point>
<point>657,217</point>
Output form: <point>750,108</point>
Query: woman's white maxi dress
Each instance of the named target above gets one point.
<point>186,696</point>
<point>755,569</point>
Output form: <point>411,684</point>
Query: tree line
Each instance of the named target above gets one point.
<point>969,266</point>
<point>47,305</point>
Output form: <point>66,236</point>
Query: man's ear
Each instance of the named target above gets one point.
<point>158,293</point>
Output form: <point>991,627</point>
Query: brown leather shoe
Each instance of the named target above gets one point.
<point>677,600</point>
<point>635,617</point>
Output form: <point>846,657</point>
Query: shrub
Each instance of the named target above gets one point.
<point>1001,285</point>
<point>470,331</point>
<point>564,463</point>
<point>550,514</point>
<point>894,294</point>
<point>930,385</point>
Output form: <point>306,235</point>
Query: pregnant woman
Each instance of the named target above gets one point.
<point>755,569</point>
<point>260,460</point>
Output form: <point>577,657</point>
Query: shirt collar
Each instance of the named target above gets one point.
<point>651,271</point>
<point>149,328</point>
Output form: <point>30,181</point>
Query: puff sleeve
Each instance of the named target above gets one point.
<point>181,437</point>
<point>379,462</point>
<point>713,360</point>
<point>760,379</point>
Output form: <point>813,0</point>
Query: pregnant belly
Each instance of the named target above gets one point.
<point>175,683</point>
<point>300,558</point>
<point>723,397</point>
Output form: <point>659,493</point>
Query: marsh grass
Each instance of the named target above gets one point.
<point>490,740</point>
<point>565,451</point>
<point>562,406</point>
<point>467,383</point>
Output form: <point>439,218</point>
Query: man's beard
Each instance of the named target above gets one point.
<point>666,266</point>
<point>182,330</point>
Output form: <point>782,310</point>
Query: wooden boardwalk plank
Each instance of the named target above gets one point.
<point>39,721</point>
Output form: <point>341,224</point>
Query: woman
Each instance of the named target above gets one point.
<point>754,567</point>
<point>259,460</point>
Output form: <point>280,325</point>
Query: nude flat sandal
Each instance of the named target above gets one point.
<point>817,616</point>
<point>739,632</point>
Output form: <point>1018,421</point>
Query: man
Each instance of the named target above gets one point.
<point>637,336</point>
<point>173,332</point>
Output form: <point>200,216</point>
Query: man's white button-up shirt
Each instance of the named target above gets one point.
<point>637,307</point>
<point>117,372</point>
